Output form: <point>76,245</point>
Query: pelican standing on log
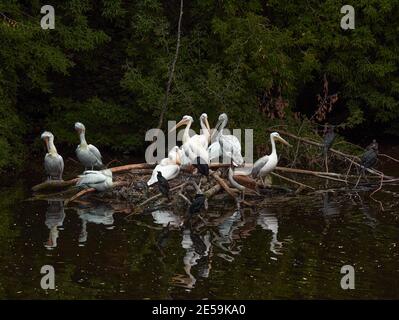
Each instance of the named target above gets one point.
<point>53,162</point>
<point>87,154</point>
<point>169,167</point>
<point>194,147</point>
<point>268,163</point>
<point>225,144</point>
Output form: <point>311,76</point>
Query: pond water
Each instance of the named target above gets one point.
<point>292,247</point>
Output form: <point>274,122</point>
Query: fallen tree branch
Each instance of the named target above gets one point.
<point>78,195</point>
<point>389,157</point>
<point>293,181</point>
<point>340,153</point>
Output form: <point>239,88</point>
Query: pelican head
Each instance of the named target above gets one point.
<point>47,136</point>
<point>221,120</point>
<point>79,127</point>
<point>204,119</point>
<point>276,136</point>
<point>184,121</point>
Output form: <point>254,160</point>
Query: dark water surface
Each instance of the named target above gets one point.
<point>293,247</point>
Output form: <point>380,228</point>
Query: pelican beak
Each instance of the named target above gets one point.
<point>181,123</point>
<point>283,141</point>
<point>178,160</point>
<point>207,125</point>
<point>46,142</point>
<point>216,129</point>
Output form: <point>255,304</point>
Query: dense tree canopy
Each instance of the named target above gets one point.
<point>106,64</point>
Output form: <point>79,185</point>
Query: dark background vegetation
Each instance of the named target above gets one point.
<point>263,62</point>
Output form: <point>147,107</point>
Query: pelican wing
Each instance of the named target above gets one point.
<point>90,178</point>
<point>95,151</point>
<point>201,139</point>
<point>169,172</point>
<point>232,148</point>
<point>259,164</point>
<point>193,149</point>
<point>214,150</point>
<point>54,165</point>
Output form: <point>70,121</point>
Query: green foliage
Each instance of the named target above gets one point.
<point>107,64</point>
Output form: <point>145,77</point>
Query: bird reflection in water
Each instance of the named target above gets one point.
<point>54,220</point>
<point>167,219</point>
<point>268,221</point>
<point>329,207</point>
<point>225,239</point>
<point>198,253</point>
<point>101,214</point>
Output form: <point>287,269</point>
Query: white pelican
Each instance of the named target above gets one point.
<point>193,147</point>
<point>169,167</point>
<point>268,163</point>
<point>99,180</point>
<point>225,144</point>
<point>53,162</point>
<point>87,154</point>
<point>205,136</point>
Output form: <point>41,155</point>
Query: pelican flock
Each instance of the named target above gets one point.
<point>195,147</point>
<point>196,150</point>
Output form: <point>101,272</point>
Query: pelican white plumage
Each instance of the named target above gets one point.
<point>225,144</point>
<point>87,154</point>
<point>205,136</point>
<point>99,180</point>
<point>268,163</point>
<point>53,162</point>
<point>193,147</point>
<point>169,167</point>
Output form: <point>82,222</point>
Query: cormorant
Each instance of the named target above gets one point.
<point>372,145</point>
<point>163,185</point>
<point>197,204</point>
<point>202,166</point>
<point>370,157</point>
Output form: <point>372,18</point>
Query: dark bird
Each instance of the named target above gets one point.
<point>163,185</point>
<point>329,137</point>
<point>197,204</point>
<point>372,145</point>
<point>370,157</point>
<point>202,166</point>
